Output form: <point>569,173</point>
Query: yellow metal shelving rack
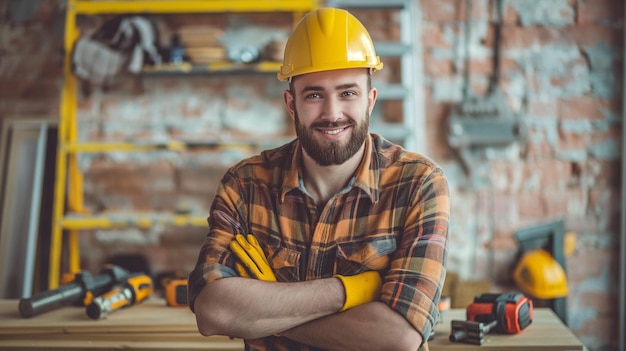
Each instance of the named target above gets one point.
<point>68,192</point>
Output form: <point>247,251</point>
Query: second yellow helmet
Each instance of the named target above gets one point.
<point>328,39</point>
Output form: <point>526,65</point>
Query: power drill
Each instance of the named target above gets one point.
<point>176,292</point>
<point>505,313</point>
<point>134,290</point>
<point>80,291</point>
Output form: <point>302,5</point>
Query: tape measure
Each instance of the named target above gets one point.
<point>176,292</point>
<point>512,310</point>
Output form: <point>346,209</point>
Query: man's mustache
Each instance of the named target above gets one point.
<point>332,124</point>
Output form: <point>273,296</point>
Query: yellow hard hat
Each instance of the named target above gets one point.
<point>540,275</point>
<point>328,39</point>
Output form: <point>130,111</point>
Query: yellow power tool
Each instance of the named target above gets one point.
<point>134,290</point>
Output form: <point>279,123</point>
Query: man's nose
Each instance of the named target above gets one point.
<point>332,109</point>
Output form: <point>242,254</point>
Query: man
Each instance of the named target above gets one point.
<point>337,240</point>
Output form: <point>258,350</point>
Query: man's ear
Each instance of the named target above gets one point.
<point>290,103</point>
<point>371,98</point>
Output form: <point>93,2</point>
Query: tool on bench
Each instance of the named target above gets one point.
<point>176,292</point>
<point>505,313</point>
<point>81,291</point>
<point>174,286</point>
<point>470,332</point>
<point>134,290</point>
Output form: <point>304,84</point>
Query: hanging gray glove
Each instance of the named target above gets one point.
<point>96,62</point>
<point>117,46</point>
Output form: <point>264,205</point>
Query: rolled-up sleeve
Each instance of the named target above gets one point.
<point>414,282</point>
<point>215,260</point>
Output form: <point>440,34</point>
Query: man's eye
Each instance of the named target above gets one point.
<point>313,96</point>
<point>348,93</point>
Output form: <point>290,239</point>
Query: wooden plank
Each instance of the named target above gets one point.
<point>546,333</point>
<point>144,337</point>
<point>152,316</point>
<point>147,326</point>
<point>63,345</point>
<point>154,326</point>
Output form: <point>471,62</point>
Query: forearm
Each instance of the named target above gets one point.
<point>372,326</point>
<point>250,309</point>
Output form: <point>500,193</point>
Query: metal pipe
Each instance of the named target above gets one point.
<point>35,205</point>
<point>622,270</point>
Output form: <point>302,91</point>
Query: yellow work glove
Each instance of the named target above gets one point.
<point>251,261</point>
<point>360,288</point>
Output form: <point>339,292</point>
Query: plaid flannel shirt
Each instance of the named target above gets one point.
<point>392,217</point>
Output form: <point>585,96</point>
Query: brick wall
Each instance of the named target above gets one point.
<point>560,70</point>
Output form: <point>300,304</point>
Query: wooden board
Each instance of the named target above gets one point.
<point>147,326</point>
<point>546,332</point>
<point>151,316</point>
<point>154,326</point>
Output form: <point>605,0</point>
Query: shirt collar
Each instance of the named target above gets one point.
<point>365,178</point>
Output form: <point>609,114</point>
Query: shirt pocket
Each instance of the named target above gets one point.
<point>285,263</point>
<point>367,254</point>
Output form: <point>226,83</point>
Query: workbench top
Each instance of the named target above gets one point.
<point>154,326</point>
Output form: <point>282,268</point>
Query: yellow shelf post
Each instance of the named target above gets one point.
<point>69,180</point>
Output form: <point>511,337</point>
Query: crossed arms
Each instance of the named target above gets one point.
<point>308,311</point>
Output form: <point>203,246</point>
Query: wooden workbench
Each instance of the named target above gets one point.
<point>148,326</point>
<point>154,326</point>
<point>546,332</point>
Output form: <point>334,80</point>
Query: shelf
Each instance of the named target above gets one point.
<point>215,67</point>
<point>391,91</point>
<point>391,49</point>
<point>390,131</point>
<point>68,208</point>
<point>191,6</point>
<point>227,143</point>
<point>139,220</point>
<point>361,4</point>
<point>142,147</point>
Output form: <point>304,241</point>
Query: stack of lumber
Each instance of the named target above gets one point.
<point>201,43</point>
<point>150,325</point>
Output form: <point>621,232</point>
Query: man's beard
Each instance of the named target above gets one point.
<point>327,153</point>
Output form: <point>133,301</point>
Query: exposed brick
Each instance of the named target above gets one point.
<point>382,24</point>
<point>538,150</point>
<point>453,10</point>
<point>504,240</point>
<point>599,11</point>
<point>603,200</point>
<point>546,174</point>
<point>603,173</point>
<point>565,202</point>
<point>593,34</point>
<point>586,107</point>
<point>437,136</point>
<point>200,179</point>
<point>108,179</point>
<point>506,176</point>
<point>42,89</point>
<point>432,36</point>
<point>13,88</point>
<point>603,303</point>
<point>481,66</point>
<point>514,37</point>
<point>436,67</point>
<point>41,107</point>
<point>560,170</point>
<point>556,13</point>
<point>393,111</point>
<point>442,11</point>
<point>572,141</point>
<point>543,109</point>
<point>509,15</point>
<point>531,205</point>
